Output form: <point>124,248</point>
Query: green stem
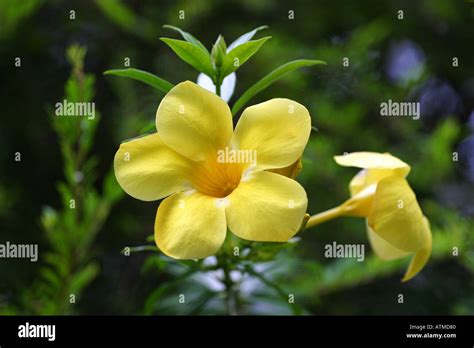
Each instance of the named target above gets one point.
<point>231,295</point>
<point>218,81</point>
<point>218,89</point>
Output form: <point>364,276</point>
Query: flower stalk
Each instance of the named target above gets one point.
<point>324,216</point>
<point>230,293</point>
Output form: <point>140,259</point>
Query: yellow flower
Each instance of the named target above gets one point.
<point>396,226</point>
<point>217,178</point>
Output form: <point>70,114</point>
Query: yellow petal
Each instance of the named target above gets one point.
<point>266,207</point>
<point>277,130</point>
<point>291,171</point>
<point>396,215</point>
<point>368,177</point>
<point>422,256</point>
<point>360,205</point>
<point>193,121</point>
<point>358,182</point>
<point>190,225</point>
<point>382,248</point>
<point>371,160</point>
<point>363,187</point>
<point>149,170</point>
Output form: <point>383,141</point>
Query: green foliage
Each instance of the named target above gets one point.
<point>192,54</point>
<point>236,256</point>
<point>222,61</point>
<point>125,18</point>
<point>13,12</point>
<point>436,154</point>
<point>272,77</point>
<point>143,76</point>
<point>246,37</point>
<point>187,36</point>
<point>218,64</point>
<point>71,230</point>
<point>240,54</point>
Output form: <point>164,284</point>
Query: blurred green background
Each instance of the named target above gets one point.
<point>409,59</point>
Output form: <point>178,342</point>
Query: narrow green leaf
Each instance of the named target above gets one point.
<point>191,54</point>
<point>245,37</point>
<point>270,78</point>
<point>140,248</point>
<point>240,54</point>
<point>187,36</point>
<point>143,76</point>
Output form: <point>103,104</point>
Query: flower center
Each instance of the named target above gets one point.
<point>215,179</point>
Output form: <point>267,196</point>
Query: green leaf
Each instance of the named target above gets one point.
<point>245,37</point>
<point>187,36</point>
<point>83,277</point>
<point>148,128</point>
<point>50,278</point>
<point>270,78</point>
<point>240,54</point>
<point>219,51</point>
<point>143,76</point>
<point>140,248</point>
<point>191,54</point>
<point>123,16</point>
<point>118,13</point>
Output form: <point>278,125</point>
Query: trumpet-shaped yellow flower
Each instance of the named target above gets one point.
<point>395,224</point>
<point>209,192</point>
